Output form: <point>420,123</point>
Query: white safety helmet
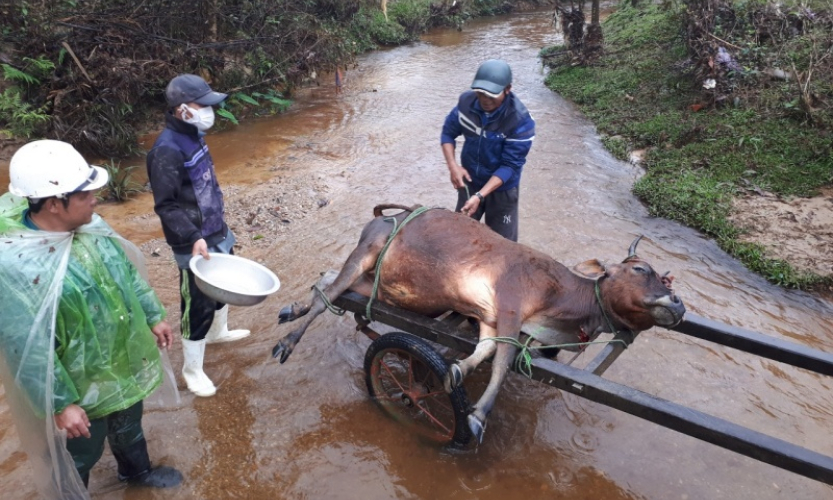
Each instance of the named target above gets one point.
<point>45,168</point>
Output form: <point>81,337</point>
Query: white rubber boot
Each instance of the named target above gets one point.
<point>219,331</point>
<point>193,352</point>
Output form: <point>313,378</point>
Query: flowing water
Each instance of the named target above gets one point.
<point>306,429</point>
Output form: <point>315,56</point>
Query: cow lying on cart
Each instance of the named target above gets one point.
<point>431,261</point>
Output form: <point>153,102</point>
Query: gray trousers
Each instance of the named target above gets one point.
<point>500,209</point>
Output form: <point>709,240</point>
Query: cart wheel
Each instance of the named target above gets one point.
<point>404,374</point>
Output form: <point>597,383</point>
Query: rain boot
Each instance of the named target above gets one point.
<point>219,331</point>
<point>193,352</point>
<point>134,467</point>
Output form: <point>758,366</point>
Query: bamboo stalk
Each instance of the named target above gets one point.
<point>74,58</point>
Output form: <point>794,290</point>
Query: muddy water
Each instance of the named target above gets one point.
<point>306,429</point>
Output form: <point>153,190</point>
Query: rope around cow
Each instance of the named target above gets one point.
<point>396,228</point>
<point>523,361</point>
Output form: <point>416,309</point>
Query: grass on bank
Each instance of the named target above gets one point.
<point>640,96</point>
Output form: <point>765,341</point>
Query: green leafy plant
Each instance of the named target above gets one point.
<point>373,24</point>
<point>120,185</point>
<point>228,115</point>
<point>240,96</point>
<point>277,102</point>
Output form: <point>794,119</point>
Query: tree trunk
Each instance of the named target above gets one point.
<point>572,25</point>
<point>593,42</point>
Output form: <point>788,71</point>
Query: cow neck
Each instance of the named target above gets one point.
<point>598,292</point>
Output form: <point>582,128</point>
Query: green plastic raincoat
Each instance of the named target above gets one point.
<point>75,327</point>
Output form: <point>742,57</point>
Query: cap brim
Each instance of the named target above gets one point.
<point>211,98</point>
<point>100,181</point>
<point>488,88</point>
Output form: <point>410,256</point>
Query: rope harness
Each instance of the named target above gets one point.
<point>523,361</point>
<point>396,228</point>
<point>330,307</point>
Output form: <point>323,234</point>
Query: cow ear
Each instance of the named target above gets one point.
<point>592,269</point>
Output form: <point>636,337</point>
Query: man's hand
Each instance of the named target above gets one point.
<point>200,248</point>
<point>471,206</point>
<point>164,335</point>
<point>458,174</point>
<point>73,420</point>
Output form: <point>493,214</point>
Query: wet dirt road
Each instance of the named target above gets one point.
<point>306,429</point>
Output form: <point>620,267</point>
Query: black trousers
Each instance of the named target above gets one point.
<point>123,432</point>
<point>500,209</point>
<point>197,308</point>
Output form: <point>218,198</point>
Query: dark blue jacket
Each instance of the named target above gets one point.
<point>186,194</point>
<point>495,144</point>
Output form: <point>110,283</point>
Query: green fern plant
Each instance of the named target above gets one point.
<point>20,118</point>
<point>41,66</point>
<point>13,74</point>
<point>35,70</point>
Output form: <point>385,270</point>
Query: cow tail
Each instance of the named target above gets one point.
<point>378,209</point>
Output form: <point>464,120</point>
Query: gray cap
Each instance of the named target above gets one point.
<point>492,77</point>
<point>192,88</point>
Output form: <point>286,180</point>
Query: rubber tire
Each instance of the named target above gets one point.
<point>421,351</point>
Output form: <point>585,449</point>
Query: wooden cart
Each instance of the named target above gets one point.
<point>405,373</point>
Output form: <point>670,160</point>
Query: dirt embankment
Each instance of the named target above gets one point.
<point>798,230</point>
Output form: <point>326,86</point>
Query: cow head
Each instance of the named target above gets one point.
<point>633,293</point>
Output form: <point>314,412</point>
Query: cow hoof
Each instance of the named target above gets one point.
<point>477,428</point>
<point>292,312</point>
<point>285,315</point>
<point>453,379</point>
<point>281,350</point>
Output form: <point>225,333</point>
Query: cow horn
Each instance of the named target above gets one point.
<point>632,249</point>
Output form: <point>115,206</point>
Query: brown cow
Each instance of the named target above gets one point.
<point>442,261</point>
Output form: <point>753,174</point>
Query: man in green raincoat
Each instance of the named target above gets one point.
<point>80,328</point>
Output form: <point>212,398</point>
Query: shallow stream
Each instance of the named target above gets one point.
<point>306,429</point>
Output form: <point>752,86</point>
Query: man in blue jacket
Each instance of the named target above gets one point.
<point>189,203</point>
<point>498,132</point>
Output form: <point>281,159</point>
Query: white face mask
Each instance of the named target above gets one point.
<point>202,118</point>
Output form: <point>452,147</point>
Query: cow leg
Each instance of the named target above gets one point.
<point>362,259</point>
<point>299,309</point>
<point>508,326</point>
<point>483,351</point>
<point>504,355</point>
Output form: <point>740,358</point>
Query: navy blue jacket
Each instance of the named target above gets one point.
<point>186,194</point>
<point>496,143</point>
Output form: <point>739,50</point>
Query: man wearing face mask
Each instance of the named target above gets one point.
<point>189,202</point>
